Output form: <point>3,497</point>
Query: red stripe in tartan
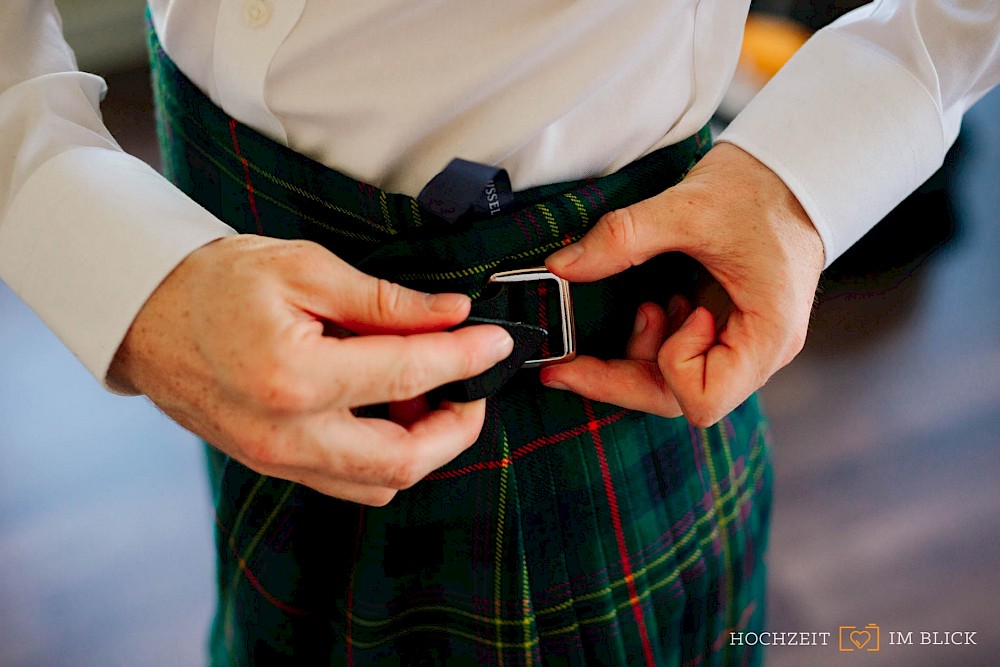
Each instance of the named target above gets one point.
<point>529,447</point>
<point>616,522</point>
<point>591,188</point>
<point>252,578</point>
<point>534,224</point>
<point>246,176</point>
<point>349,640</point>
<point>519,221</point>
<point>588,192</point>
<point>287,608</point>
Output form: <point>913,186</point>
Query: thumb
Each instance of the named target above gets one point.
<point>620,239</point>
<point>368,305</point>
<point>380,306</point>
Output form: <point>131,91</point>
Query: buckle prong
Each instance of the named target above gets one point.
<point>565,310</point>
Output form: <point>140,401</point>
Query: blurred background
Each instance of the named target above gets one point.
<point>887,429</point>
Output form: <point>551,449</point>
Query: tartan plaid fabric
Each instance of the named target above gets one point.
<point>571,533</point>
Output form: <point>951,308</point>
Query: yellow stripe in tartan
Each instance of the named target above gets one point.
<point>449,632</point>
<point>549,219</point>
<point>624,605</point>
<point>716,492</point>
<point>453,275</point>
<point>277,180</point>
<point>415,211</point>
<point>724,438</point>
<point>217,464</point>
<point>384,201</point>
<point>238,520</point>
<point>242,560</point>
<point>479,618</point>
<point>664,581</point>
<point>689,534</point>
<point>498,543</point>
<point>579,207</point>
<point>479,269</point>
<point>627,604</point>
<point>526,613</point>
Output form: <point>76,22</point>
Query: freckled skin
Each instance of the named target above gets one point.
<point>232,347</point>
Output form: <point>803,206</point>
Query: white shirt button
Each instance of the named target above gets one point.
<point>256,14</point>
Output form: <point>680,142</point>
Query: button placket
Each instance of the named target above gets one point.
<point>247,36</point>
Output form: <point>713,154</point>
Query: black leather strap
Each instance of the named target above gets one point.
<point>495,307</point>
<point>528,341</point>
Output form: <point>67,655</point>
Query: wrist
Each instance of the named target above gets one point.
<point>755,182</point>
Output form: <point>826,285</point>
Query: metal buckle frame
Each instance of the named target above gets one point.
<point>565,311</point>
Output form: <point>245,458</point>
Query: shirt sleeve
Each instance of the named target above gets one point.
<point>864,113</point>
<point>87,232</point>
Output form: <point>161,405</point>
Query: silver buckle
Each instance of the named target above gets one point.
<point>565,310</point>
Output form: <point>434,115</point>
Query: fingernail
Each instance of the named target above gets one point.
<point>445,303</point>
<point>502,345</point>
<point>640,321</point>
<point>555,384</point>
<point>566,256</point>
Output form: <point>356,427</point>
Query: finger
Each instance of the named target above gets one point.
<point>364,494</point>
<point>334,290</point>
<point>396,309</point>
<point>366,370</point>
<point>620,239</point>
<point>648,334</point>
<point>398,457</point>
<point>637,385</point>
<point>394,457</point>
<point>709,377</point>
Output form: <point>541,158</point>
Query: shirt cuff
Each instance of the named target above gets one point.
<point>849,130</point>
<point>89,236</point>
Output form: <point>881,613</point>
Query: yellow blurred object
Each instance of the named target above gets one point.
<point>769,41</point>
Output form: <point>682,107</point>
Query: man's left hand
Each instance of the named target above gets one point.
<point>739,220</point>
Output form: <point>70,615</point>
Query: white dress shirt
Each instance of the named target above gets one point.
<point>389,91</point>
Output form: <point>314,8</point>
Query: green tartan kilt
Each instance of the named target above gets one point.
<point>571,533</point>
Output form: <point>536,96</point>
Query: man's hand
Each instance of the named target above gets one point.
<point>248,343</point>
<point>739,220</point>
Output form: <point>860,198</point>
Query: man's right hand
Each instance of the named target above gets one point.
<point>239,345</point>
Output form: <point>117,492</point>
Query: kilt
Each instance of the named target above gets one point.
<point>571,533</point>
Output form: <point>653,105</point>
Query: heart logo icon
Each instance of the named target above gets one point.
<point>860,638</point>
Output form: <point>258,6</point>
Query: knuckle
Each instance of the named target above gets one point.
<point>405,474</point>
<point>621,230</point>
<point>388,299</point>
<point>471,360</point>
<point>380,497</point>
<point>702,412</point>
<point>465,433</point>
<point>670,358</point>
<point>409,382</point>
<point>276,389</point>
<point>262,453</point>
<point>471,435</point>
<point>307,256</point>
<point>702,418</point>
